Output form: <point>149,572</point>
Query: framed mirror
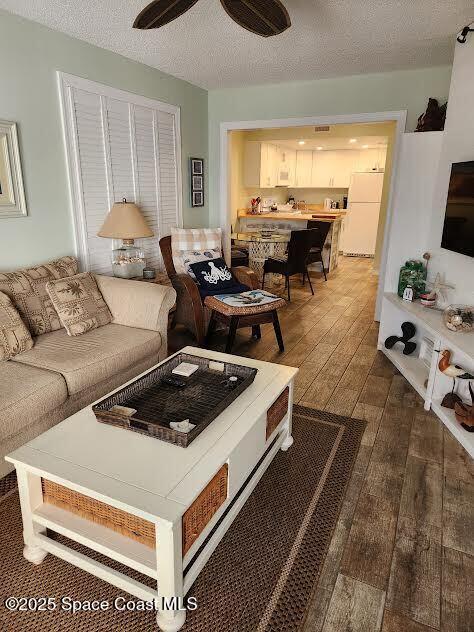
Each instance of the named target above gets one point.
<point>12,194</point>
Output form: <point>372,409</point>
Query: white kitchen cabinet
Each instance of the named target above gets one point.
<point>332,169</point>
<point>344,160</point>
<point>371,159</point>
<point>304,169</point>
<point>260,164</point>
<point>286,167</point>
<point>269,165</point>
<point>323,169</point>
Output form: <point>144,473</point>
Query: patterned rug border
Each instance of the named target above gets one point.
<point>274,614</point>
<point>8,486</point>
<point>315,413</point>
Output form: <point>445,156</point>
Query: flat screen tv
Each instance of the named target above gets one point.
<point>458,231</point>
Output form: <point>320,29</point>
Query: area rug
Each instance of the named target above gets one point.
<point>259,579</point>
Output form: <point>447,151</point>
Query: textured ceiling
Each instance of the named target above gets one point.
<point>327,38</point>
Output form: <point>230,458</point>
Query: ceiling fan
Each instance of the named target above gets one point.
<point>263,17</point>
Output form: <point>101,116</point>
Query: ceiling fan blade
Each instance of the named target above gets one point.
<point>160,12</point>
<point>263,17</point>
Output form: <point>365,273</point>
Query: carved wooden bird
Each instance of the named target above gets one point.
<point>452,370</point>
<point>465,413</point>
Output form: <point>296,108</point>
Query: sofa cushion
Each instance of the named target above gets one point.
<point>14,336</point>
<point>79,303</point>
<point>85,360</point>
<point>27,290</point>
<point>27,394</point>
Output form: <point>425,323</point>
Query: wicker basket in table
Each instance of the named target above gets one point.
<point>277,411</point>
<point>194,520</point>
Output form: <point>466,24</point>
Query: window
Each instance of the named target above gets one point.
<point>119,145</point>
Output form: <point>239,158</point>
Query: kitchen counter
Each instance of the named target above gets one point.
<point>284,221</point>
<point>320,215</point>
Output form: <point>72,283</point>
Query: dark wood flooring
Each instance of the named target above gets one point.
<point>402,554</point>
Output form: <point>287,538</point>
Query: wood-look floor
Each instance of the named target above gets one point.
<point>402,555</point>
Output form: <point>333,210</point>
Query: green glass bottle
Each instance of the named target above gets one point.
<point>412,273</point>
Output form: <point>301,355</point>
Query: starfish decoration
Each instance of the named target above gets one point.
<point>438,287</point>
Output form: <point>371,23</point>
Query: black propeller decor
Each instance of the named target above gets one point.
<point>263,17</point>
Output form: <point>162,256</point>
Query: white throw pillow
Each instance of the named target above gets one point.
<point>185,240</point>
<point>196,256</point>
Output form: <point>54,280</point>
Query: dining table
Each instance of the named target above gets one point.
<point>261,246</point>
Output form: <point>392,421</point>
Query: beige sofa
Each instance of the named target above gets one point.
<point>62,374</point>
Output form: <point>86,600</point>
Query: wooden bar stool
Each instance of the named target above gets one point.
<point>236,317</point>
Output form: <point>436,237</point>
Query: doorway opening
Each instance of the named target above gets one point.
<point>333,169</point>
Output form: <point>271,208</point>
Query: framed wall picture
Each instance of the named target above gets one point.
<point>197,183</point>
<point>198,198</point>
<point>196,168</point>
<point>12,194</point>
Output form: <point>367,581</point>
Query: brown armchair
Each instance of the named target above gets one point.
<point>190,310</point>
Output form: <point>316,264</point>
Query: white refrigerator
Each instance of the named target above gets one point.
<point>363,209</point>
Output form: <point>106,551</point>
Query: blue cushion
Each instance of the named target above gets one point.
<point>213,274</point>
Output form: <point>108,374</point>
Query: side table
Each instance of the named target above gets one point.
<point>235,317</point>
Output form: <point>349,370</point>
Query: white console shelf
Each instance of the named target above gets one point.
<point>429,382</point>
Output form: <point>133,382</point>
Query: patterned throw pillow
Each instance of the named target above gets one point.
<point>214,275</point>
<point>14,336</point>
<point>193,239</point>
<point>79,303</point>
<point>195,256</point>
<point>27,291</point>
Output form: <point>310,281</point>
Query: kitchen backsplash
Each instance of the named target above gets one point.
<point>281,195</point>
<point>317,196</point>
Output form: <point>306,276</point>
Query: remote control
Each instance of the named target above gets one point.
<point>173,381</point>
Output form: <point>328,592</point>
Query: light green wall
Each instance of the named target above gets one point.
<point>401,90</point>
<point>30,54</point>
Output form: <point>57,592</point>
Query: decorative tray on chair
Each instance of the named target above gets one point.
<point>151,406</point>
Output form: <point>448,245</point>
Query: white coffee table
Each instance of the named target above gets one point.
<point>155,481</point>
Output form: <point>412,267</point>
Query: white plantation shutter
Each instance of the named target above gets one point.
<point>147,180</point>
<point>120,150</point>
<point>168,170</point>
<point>93,177</point>
<point>120,145</point>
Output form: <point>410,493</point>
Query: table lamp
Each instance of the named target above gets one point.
<point>125,221</point>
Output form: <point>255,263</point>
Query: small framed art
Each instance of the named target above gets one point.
<point>197,198</point>
<point>12,194</point>
<point>197,183</point>
<point>196,167</point>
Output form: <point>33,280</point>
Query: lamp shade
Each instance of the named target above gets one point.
<point>125,221</point>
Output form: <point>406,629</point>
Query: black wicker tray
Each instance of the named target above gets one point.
<point>206,394</point>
